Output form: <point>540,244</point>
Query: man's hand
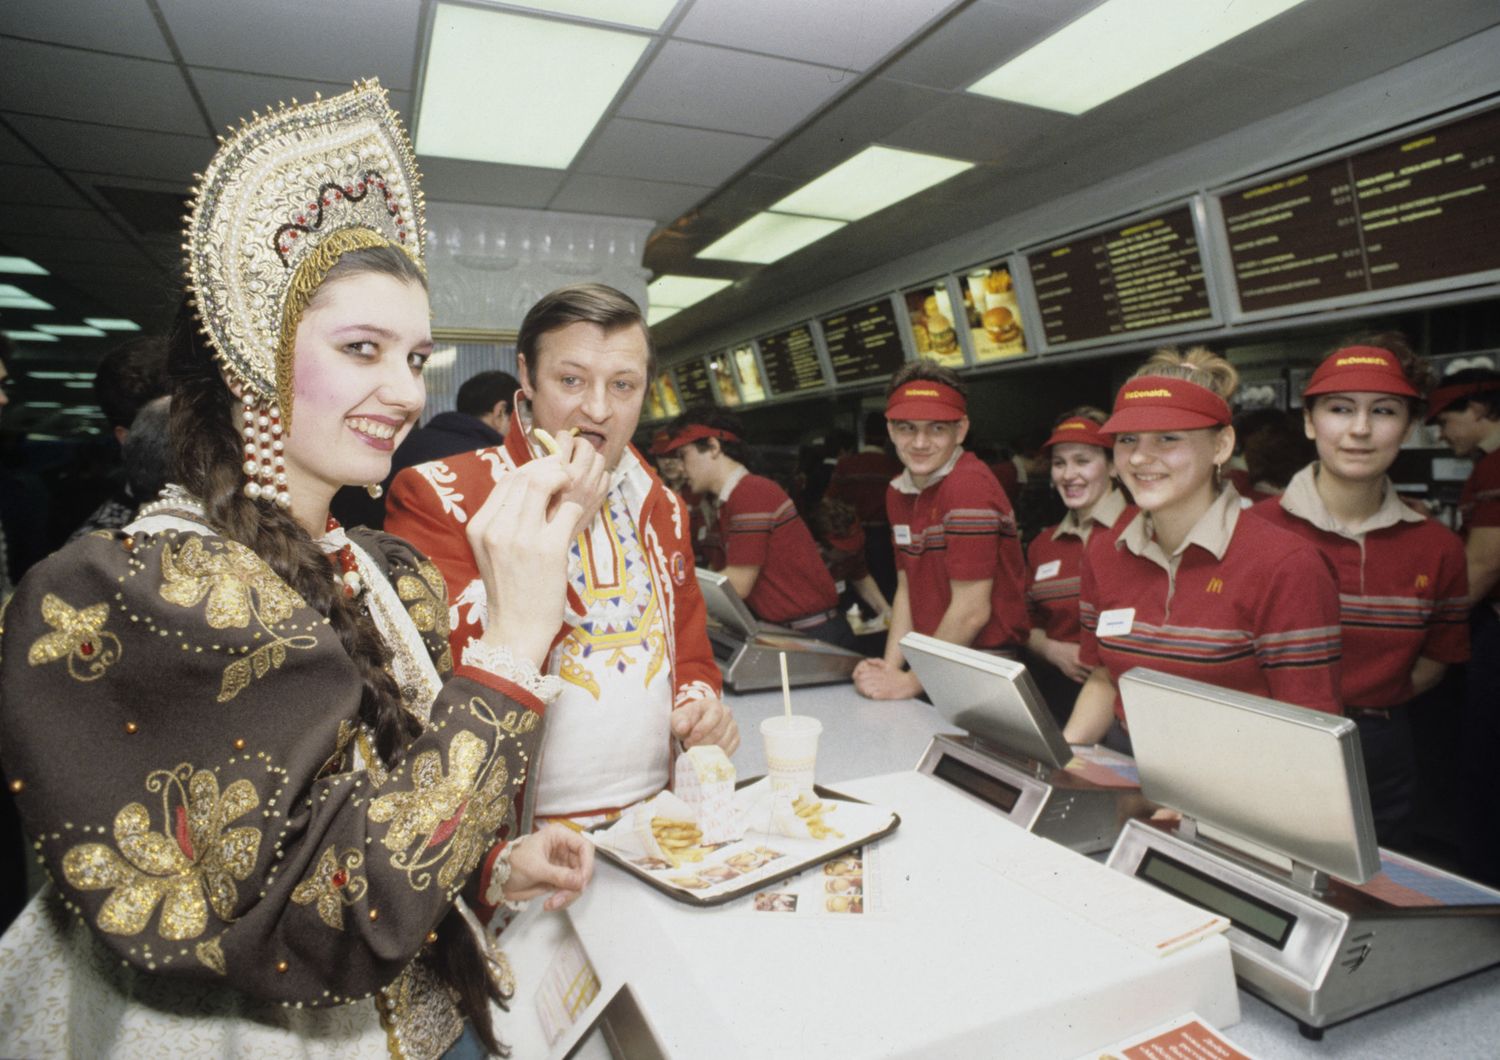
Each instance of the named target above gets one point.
<point>878,679</point>
<point>706,721</point>
<point>555,858</point>
<point>1064,656</point>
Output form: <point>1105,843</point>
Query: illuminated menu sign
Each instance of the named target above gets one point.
<point>791,361</point>
<point>694,385</point>
<point>1422,209</point>
<point>1143,276</point>
<point>863,343</point>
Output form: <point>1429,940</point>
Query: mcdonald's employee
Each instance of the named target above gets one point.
<point>1084,477</point>
<point>770,556</point>
<point>960,576</point>
<point>1402,583</point>
<point>1190,586</point>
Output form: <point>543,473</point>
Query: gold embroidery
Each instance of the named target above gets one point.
<point>333,885</point>
<point>78,636</point>
<point>425,598</point>
<point>192,857</point>
<point>211,954</point>
<point>418,1014</point>
<point>573,671</point>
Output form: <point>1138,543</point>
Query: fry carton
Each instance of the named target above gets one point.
<point>705,782</point>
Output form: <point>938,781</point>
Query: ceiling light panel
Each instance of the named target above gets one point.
<point>679,292</point>
<point>1118,45</point>
<point>111,324</point>
<point>769,237</point>
<point>644,14</point>
<point>30,336</point>
<point>657,313</point>
<point>22,266</point>
<point>78,330</point>
<point>870,181</point>
<point>12,297</point>
<point>510,88</point>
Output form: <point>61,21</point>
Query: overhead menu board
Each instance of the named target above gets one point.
<point>863,343</point>
<point>930,316</point>
<point>791,361</point>
<point>747,372</point>
<point>993,315</point>
<point>1419,210</point>
<point>1141,277</point>
<point>721,371</point>
<point>694,385</point>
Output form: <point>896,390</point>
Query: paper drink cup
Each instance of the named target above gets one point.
<point>791,750</point>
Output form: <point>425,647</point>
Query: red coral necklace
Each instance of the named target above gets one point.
<point>348,567</point>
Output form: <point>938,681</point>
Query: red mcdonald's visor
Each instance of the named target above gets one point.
<point>1158,403</point>
<point>926,399</point>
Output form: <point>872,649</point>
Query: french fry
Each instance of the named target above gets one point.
<point>546,441</point>
<point>811,814</point>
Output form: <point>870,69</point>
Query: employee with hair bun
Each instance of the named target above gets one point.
<point>1189,586</point>
<point>1402,582</point>
<point>770,556</point>
<point>1082,474</point>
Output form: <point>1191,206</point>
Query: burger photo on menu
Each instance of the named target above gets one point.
<point>929,311</point>
<point>993,314</point>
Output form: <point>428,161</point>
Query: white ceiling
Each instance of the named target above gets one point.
<point>108,107</point>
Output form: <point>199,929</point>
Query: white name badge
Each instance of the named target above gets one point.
<point>1115,623</point>
<point>902,533</point>
<point>1048,570</point>
<point>841,587</point>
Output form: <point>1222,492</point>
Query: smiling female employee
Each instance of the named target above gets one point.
<point>1402,583</point>
<point>1188,586</point>
<point>771,558</point>
<point>1084,479</point>
<point>960,576</point>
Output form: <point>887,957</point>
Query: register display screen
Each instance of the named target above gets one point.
<point>976,782</point>
<point>1420,209</point>
<point>1250,915</point>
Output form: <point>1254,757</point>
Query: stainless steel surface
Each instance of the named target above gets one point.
<point>988,696</point>
<point>1254,768</point>
<point>754,665</point>
<point>724,604</point>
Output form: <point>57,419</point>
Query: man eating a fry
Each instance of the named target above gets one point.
<point>633,653</point>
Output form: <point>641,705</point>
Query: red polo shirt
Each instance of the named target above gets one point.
<point>1479,503</point>
<point>1242,604</point>
<point>960,527</point>
<point>1053,562</point>
<point>1403,589</point>
<point>760,527</point>
<point>861,479</point>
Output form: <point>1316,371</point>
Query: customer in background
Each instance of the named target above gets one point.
<point>485,404</point>
<point>128,377</point>
<point>960,573</point>
<point>1402,583</point>
<point>1467,409</point>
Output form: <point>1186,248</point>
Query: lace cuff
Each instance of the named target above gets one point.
<point>494,891</point>
<point>500,662</point>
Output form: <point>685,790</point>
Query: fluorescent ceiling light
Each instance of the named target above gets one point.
<point>647,14</point>
<point>769,237</point>
<point>870,181</point>
<point>12,297</point>
<point>657,313</point>
<point>679,292</point>
<point>1118,45</point>
<point>30,336</point>
<point>43,405</point>
<point>111,324</point>
<point>21,265</point>
<point>59,375</point>
<point>519,90</point>
<point>71,329</point>
<point>76,385</point>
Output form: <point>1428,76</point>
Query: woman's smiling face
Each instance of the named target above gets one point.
<point>1164,469</point>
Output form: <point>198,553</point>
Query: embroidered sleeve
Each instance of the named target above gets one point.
<point>425,509</point>
<point>171,705</point>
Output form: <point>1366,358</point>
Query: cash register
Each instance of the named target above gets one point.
<point>748,650</point>
<point>1012,756</point>
<point>1277,835</point>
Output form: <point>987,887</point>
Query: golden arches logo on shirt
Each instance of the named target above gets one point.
<point>1215,585</point>
<point>1158,392</point>
<point>1423,581</point>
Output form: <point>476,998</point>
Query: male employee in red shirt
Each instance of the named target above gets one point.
<point>1467,409</point>
<point>960,575</point>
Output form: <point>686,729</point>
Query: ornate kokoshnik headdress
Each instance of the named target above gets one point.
<point>286,196</point>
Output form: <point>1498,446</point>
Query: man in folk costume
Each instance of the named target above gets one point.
<point>633,653</point>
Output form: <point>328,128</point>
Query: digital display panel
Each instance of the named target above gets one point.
<point>1143,276</point>
<point>863,343</point>
<point>1420,209</point>
<point>993,314</point>
<point>976,782</point>
<point>930,316</point>
<point>1251,915</point>
<point>791,361</point>
<point>694,385</point>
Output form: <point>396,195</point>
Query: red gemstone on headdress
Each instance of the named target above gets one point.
<point>360,185</point>
<point>339,878</point>
<point>291,235</point>
<point>302,219</point>
<point>337,194</point>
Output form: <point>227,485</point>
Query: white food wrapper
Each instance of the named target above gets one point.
<point>705,781</point>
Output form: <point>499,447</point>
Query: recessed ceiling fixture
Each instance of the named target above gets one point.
<point>12,297</point>
<point>111,324</point>
<point>1118,45</point>
<point>77,330</point>
<point>657,313</point>
<point>769,237</point>
<point>510,88</point>
<point>645,14</point>
<point>24,266</point>
<point>869,182</point>
<point>679,292</point>
<point>30,336</point>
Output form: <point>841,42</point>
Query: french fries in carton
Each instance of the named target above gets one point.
<point>705,783</point>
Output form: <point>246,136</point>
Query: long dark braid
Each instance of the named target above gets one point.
<point>207,462</point>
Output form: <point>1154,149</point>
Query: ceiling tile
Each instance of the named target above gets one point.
<point>230,96</point>
<point>650,151</point>
<point>51,250</point>
<point>713,88</point>
<point>620,197</point>
<point>38,184</point>
<point>13,151</point>
<point>293,38</point>
<point>58,220</point>
<point>845,34</point>
<point>121,26</point>
<point>457,180</point>
<point>971,44</point>
<point>66,83</point>
<point>104,149</point>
